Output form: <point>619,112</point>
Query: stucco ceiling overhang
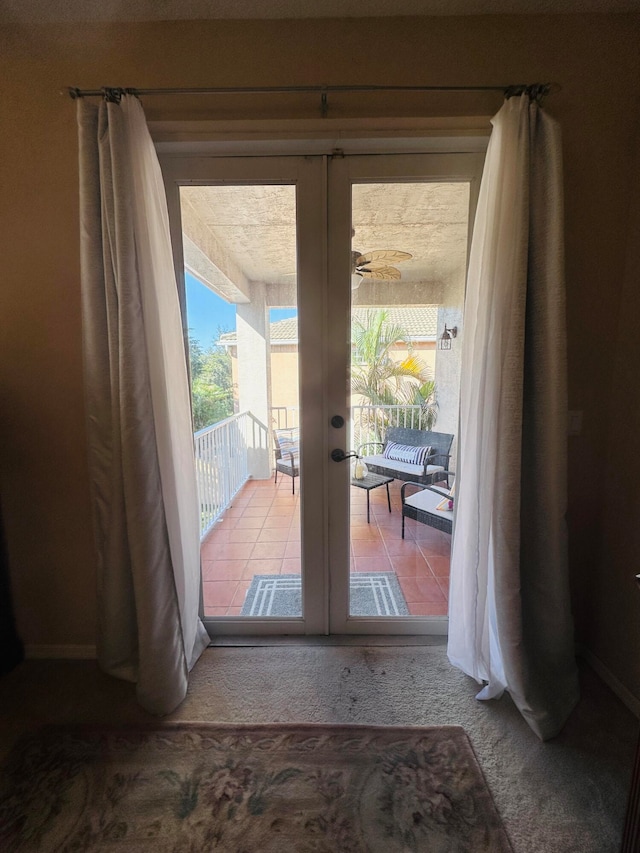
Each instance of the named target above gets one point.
<point>248,234</point>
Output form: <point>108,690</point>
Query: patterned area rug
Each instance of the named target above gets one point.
<point>255,789</point>
<point>371,594</point>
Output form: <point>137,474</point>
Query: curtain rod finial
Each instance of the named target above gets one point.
<point>73,92</point>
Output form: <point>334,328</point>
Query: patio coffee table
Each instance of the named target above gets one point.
<point>372,481</point>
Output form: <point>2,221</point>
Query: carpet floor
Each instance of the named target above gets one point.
<point>565,796</point>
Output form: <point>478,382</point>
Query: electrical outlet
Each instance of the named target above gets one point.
<point>575,423</point>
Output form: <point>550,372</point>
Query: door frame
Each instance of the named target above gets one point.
<point>325,538</point>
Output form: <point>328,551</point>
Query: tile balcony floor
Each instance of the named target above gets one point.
<point>259,534</point>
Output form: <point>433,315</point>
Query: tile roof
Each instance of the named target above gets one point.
<point>419,323</point>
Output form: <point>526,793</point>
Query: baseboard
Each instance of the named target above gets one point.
<point>69,652</point>
<point>625,695</point>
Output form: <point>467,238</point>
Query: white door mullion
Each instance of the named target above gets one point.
<point>339,358</point>
<point>312,272</point>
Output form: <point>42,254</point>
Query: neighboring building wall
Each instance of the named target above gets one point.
<point>284,377</point>
<point>425,350</point>
<point>284,371</point>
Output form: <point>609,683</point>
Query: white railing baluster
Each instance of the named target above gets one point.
<point>369,423</point>
<point>221,458</point>
<point>284,417</point>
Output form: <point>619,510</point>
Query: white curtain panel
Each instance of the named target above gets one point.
<point>510,624</point>
<point>146,513</point>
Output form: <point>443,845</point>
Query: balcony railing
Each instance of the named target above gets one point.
<point>369,423</point>
<point>227,454</point>
<point>230,452</point>
<point>285,417</point>
<point>371,419</point>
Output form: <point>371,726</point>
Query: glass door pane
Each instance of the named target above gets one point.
<point>249,233</point>
<point>239,245</point>
<point>409,256</point>
<point>403,223</point>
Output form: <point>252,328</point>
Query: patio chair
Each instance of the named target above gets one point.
<point>423,505</point>
<point>287,450</point>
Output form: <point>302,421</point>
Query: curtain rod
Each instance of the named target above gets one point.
<point>537,91</point>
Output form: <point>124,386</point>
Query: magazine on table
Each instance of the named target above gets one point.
<point>447,503</point>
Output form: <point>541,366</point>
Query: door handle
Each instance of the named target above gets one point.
<point>338,455</point>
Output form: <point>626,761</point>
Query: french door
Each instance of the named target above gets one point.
<point>317,253</point>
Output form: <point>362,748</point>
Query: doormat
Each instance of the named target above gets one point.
<point>371,594</point>
<point>259,789</point>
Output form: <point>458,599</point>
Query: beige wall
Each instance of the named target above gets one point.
<point>284,376</point>
<point>610,601</point>
<point>42,448</point>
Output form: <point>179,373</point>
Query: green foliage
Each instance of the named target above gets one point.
<point>425,396</point>
<point>211,383</point>
<point>383,381</point>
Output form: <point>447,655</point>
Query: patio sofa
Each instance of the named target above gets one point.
<point>414,455</point>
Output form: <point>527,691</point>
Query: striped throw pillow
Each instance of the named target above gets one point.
<point>288,441</point>
<point>407,453</point>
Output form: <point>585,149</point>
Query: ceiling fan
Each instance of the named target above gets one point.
<point>376,264</point>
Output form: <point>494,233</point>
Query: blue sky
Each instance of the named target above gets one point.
<point>207,312</point>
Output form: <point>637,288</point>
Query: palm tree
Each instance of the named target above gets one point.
<point>383,381</point>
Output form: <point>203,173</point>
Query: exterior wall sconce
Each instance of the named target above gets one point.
<point>447,336</point>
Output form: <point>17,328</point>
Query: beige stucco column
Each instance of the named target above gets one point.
<point>254,381</point>
<point>449,362</point>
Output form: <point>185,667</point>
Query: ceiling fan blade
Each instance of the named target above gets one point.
<point>372,265</point>
<point>383,273</point>
<point>383,255</point>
